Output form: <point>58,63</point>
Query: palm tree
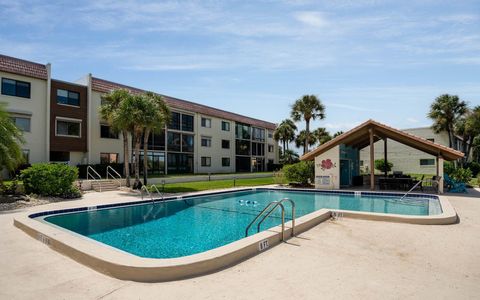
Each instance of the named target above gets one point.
<point>285,132</point>
<point>289,157</point>
<point>337,133</point>
<point>157,120</point>
<point>110,112</point>
<point>137,112</point>
<point>10,139</point>
<point>309,107</point>
<point>302,138</point>
<point>321,135</point>
<point>468,127</point>
<point>445,111</point>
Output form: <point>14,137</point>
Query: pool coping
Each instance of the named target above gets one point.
<point>125,266</point>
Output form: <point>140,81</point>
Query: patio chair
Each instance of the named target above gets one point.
<point>455,186</point>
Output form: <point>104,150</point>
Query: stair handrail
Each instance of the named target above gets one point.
<point>98,179</point>
<point>117,179</point>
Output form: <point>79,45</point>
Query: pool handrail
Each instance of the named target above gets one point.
<point>273,208</point>
<point>145,188</point>
<point>157,191</point>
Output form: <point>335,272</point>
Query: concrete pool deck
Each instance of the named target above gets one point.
<point>346,258</point>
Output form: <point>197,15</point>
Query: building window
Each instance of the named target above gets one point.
<point>361,163</point>
<point>427,162</point>
<point>187,123</point>
<point>187,143</point>
<point>206,122</point>
<point>242,147</point>
<point>22,123</point>
<point>258,134</point>
<point>16,88</point>
<point>59,156</point>
<point>174,141</point>
<point>206,141</point>
<point>68,128</point>
<point>225,144</point>
<point>106,132</point>
<point>206,161</point>
<point>242,131</point>
<point>68,98</point>
<point>270,135</point>
<point>26,156</point>
<point>225,126</point>
<point>258,149</point>
<point>175,121</point>
<point>108,158</point>
<point>270,148</point>
<point>225,161</point>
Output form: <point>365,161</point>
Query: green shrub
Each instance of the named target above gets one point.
<point>8,187</point>
<point>448,167</point>
<point>50,180</point>
<point>474,167</point>
<point>300,172</point>
<point>462,175</point>
<point>380,165</point>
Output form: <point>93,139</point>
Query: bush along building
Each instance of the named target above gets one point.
<point>61,123</point>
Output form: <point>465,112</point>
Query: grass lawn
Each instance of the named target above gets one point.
<point>204,174</point>
<point>215,184</point>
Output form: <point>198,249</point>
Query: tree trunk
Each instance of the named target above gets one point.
<point>468,148</point>
<point>138,142</point>
<point>126,160</point>
<point>145,159</point>
<point>307,137</point>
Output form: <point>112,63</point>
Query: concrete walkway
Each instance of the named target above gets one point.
<point>335,260</point>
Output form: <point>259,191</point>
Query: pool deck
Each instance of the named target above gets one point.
<point>336,259</point>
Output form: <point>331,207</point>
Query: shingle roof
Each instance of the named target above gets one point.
<point>104,86</point>
<point>22,67</point>
<point>358,137</point>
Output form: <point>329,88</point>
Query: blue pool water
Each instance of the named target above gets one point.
<point>193,225</point>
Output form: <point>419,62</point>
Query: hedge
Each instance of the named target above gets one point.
<point>54,180</point>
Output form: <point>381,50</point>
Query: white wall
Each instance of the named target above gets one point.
<point>328,178</point>
<point>101,145</point>
<point>216,152</point>
<point>405,158</point>
<point>36,106</point>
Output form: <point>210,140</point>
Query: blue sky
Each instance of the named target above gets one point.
<point>385,60</point>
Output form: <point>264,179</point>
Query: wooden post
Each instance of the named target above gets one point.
<point>385,156</point>
<point>372,161</point>
<point>440,173</point>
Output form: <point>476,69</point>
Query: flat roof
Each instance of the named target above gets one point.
<point>359,137</point>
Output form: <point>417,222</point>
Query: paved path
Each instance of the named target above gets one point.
<point>335,260</point>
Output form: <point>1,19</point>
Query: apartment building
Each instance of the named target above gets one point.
<point>407,159</point>
<point>62,124</point>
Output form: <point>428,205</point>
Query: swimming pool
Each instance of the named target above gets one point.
<point>183,227</point>
<point>205,232</point>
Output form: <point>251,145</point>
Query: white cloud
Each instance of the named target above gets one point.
<point>412,120</point>
<point>311,18</point>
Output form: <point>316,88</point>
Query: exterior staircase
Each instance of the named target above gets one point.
<point>104,185</point>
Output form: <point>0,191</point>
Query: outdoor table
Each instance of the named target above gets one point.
<point>396,183</point>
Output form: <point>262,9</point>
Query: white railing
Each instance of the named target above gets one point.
<point>112,172</point>
<point>91,173</point>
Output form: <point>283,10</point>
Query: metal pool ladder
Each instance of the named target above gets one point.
<point>268,210</point>
<point>145,188</point>
<point>410,190</point>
